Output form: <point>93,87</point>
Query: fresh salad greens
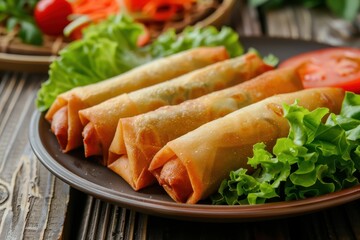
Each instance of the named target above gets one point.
<point>170,43</point>
<point>110,48</point>
<point>347,9</point>
<point>270,59</point>
<point>20,14</point>
<point>316,158</point>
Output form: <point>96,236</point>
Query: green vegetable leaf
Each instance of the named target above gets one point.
<point>19,14</point>
<point>106,50</point>
<point>316,158</point>
<point>30,33</point>
<point>303,124</point>
<point>270,59</point>
<point>242,188</point>
<point>347,9</point>
<point>170,42</point>
<point>351,106</point>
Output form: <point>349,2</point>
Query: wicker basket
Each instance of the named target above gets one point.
<point>17,56</point>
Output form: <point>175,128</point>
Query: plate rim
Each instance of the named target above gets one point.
<point>192,212</point>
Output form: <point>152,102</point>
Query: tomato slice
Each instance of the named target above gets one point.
<point>333,67</point>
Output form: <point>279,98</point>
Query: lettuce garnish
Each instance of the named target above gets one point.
<point>316,158</point>
<point>110,48</point>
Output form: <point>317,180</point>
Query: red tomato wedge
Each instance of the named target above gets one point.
<point>333,67</point>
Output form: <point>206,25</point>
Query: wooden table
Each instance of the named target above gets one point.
<point>36,205</point>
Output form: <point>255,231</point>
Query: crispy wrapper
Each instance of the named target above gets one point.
<point>63,114</point>
<point>139,138</point>
<point>101,120</point>
<point>191,167</point>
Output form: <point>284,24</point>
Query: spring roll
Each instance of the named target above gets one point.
<point>63,113</point>
<point>139,138</point>
<point>191,167</point>
<point>100,121</point>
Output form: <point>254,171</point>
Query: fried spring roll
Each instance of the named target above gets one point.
<point>103,118</point>
<point>191,167</point>
<point>139,138</point>
<point>63,114</point>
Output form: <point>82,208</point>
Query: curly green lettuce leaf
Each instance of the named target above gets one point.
<point>270,59</point>
<point>106,50</point>
<point>169,42</point>
<point>19,15</point>
<point>110,48</point>
<point>29,32</point>
<point>316,158</point>
<point>303,123</point>
<point>242,188</point>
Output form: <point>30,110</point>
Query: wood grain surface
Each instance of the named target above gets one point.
<point>33,202</point>
<point>36,205</point>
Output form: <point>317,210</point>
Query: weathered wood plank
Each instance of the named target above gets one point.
<point>103,220</point>
<point>311,24</point>
<point>282,23</point>
<point>245,20</point>
<point>33,202</point>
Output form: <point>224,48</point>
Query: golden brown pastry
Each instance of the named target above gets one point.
<point>100,121</point>
<point>139,138</point>
<point>63,114</point>
<point>191,167</point>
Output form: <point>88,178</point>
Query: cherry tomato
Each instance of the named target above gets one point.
<point>333,67</point>
<point>52,16</point>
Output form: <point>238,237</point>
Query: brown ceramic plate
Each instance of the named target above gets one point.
<point>102,183</point>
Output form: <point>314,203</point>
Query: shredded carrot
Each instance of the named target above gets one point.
<point>99,10</point>
<point>163,10</point>
<point>160,13</point>
<point>96,10</point>
<point>159,10</point>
